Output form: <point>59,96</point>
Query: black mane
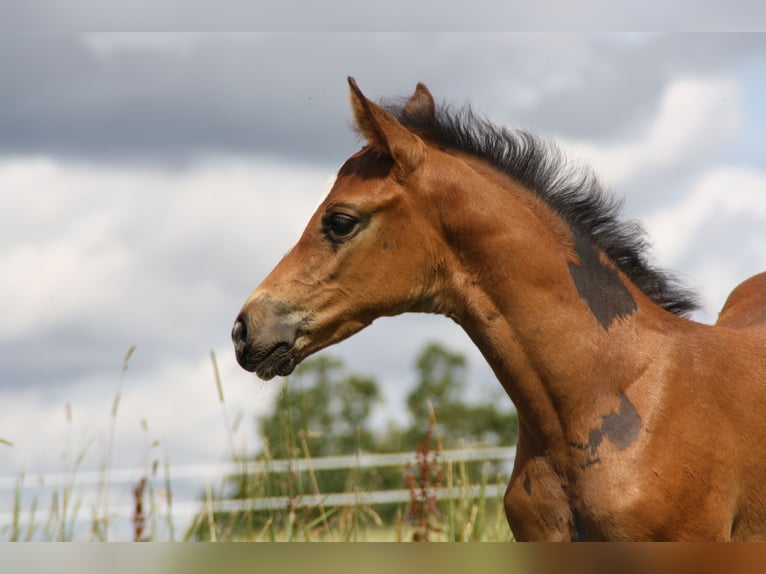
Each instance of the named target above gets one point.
<point>573,192</point>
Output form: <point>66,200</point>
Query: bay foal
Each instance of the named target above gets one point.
<point>636,423</point>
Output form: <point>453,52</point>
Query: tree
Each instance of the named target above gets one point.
<point>441,380</point>
<point>442,383</point>
<point>322,408</point>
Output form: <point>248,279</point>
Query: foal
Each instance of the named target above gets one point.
<point>635,423</point>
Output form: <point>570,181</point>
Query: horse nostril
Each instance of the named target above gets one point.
<point>239,332</point>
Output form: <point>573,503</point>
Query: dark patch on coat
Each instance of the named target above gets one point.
<point>621,428</point>
<point>579,532</point>
<point>528,484</point>
<point>599,285</point>
<point>367,164</point>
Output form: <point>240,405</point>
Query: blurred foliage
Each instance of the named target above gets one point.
<point>442,382</point>
<point>325,405</point>
<point>324,410</point>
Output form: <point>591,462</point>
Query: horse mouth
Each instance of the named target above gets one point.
<point>280,360</point>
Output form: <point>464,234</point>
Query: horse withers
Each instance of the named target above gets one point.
<point>635,422</point>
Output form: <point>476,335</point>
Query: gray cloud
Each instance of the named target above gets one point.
<point>97,259</point>
<point>619,82</point>
<point>171,98</point>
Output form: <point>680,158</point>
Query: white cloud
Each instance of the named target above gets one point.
<point>693,118</point>
<point>716,232</point>
<point>43,283</point>
<point>721,192</point>
<point>83,242</point>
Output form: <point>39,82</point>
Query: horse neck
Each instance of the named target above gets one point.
<point>518,289</point>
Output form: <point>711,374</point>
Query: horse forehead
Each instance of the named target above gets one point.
<point>367,164</point>
<point>365,192</point>
<point>348,188</point>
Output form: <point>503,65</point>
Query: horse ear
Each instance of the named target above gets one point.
<point>421,105</point>
<point>384,133</point>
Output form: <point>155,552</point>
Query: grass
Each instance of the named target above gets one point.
<point>423,517</point>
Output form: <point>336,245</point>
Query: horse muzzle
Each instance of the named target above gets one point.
<point>264,337</point>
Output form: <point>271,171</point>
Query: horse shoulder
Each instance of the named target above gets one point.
<point>746,306</point>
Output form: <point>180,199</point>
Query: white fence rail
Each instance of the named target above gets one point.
<point>203,472</point>
<point>189,481</point>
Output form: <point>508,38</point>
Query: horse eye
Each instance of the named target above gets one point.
<point>340,225</point>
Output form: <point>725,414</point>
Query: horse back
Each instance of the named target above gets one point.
<point>746,306</point>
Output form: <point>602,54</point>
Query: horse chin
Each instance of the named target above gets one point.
<point>279,361</point>
<point>267,372</point>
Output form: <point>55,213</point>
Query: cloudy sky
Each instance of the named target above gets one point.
<point>148,182</point>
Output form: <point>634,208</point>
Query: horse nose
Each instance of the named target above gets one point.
<point>239,333</point>
<point>264,339</point>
